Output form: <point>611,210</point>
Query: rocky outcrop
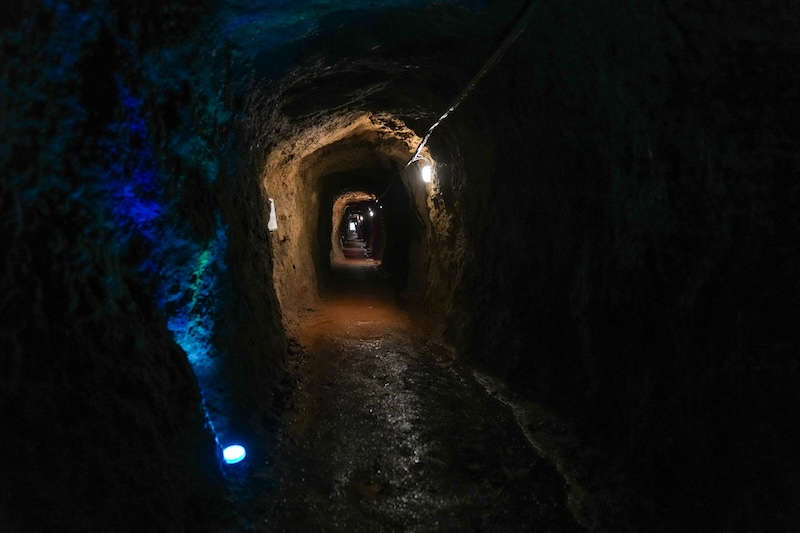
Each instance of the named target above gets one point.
<point>103,423</point>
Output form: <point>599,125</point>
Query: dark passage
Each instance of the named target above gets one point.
<point>400,265</point>
<point>361,233</point>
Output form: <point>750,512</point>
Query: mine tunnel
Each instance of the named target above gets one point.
<point>400,265</point>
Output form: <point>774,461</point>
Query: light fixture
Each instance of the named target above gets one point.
<point>234,453</point>
<point>371,213</point>
<point>427,172</point>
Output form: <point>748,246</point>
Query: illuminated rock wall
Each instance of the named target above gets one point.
<point>104,278</point>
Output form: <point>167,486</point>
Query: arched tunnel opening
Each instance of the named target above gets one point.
<point>399,265</point>
<point>373,228</point>
<point>357,236</point>
<point>349,208</point>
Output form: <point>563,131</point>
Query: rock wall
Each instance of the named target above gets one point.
<point>634,246</point>
<point>111,251</point>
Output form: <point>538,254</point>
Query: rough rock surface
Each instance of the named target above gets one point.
<point>103,428</point>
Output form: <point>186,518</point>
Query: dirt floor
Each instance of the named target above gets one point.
<point>387,433</point>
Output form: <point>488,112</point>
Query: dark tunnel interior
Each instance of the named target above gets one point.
<point>400,265</point>
<point>360,234</point>
<point>384,227</point>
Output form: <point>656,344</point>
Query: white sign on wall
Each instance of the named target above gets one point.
<point>272,225</point>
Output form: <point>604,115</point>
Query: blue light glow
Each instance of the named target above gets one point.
<point>131,178</point>
<point>185,271</point>
<point>234,454</point>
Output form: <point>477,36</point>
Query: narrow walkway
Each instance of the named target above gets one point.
<point>356,248</point>
<point>387,435</point>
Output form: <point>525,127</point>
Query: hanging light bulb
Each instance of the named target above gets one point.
<point>427,173</point>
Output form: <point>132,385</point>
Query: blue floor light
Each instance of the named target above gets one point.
<point>234,454</point>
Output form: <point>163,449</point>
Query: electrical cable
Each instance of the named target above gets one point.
<point>516,30</point>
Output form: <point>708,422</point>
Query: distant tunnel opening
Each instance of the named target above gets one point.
<point>344,198</point>
<point>357,230</point>
<point>367,220</point>
<point>358,234</point>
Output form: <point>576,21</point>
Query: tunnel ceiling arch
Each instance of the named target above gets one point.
<point>340,95</point>
<point>293,175</point>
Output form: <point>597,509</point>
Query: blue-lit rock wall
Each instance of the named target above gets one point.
<point>114,263</point>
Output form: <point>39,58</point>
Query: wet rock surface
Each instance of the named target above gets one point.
<point>388,434</point>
